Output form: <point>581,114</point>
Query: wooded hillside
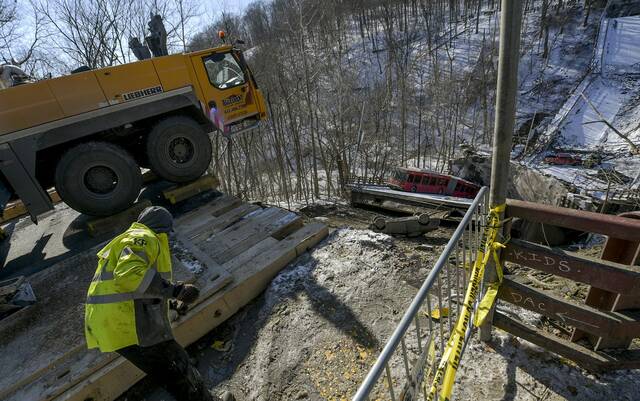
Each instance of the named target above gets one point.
<point>353,86</point>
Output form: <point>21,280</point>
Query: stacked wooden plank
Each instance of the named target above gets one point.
<point>179,193</point>
<point>241,246</point>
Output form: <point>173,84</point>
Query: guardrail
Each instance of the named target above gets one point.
<point>371,180</point>
<point>410,354</point>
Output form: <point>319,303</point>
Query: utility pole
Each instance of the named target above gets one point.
<point>510,23</point>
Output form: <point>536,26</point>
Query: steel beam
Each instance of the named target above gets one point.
<point>614,226</point>
<point>611,276</point>
<point>570,313</point>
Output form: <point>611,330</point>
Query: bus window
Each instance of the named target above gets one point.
<point>433,181</point>
<point>443,181</point>
<point>425,180</point>
<point>411,178</point>
<point>400,175</point>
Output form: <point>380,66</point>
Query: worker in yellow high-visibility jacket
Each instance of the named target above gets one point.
<point>128,304</point>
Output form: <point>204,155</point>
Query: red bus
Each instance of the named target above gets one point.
<point>428,182</point>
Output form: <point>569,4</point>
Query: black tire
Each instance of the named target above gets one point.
<point>179,150</point>
<point>424,219</point>
<point>380,222</point>
<point>98,178</point>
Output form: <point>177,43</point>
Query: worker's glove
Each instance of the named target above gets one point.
<point>187,293</point>
<point>178,306</point>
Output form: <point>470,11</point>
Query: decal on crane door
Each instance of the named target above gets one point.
<point>231,100</point>
<point>234,106</point>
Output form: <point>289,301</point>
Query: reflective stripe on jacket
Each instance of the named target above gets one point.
<point>127,300</point>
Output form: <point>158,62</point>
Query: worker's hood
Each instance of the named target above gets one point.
<point>157,219</point>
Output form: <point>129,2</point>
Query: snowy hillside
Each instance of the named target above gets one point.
<point>607,97</point>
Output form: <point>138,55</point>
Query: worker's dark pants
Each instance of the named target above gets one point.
<point>168,364</point>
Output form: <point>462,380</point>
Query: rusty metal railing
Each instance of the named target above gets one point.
<point>407,361</point>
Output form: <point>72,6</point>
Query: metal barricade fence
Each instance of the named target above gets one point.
<point>405,367</point>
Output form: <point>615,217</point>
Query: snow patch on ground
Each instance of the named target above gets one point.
<point>621,50</point>
<point>193,265</point>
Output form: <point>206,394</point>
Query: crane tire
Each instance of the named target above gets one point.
<point>98,178</point>
<point>179,149</point>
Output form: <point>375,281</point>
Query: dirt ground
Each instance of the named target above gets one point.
<point>317,329</point>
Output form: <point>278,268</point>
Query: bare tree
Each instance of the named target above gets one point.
<point>89,32</point>
<point>8,19</point>
<point>357,87</point>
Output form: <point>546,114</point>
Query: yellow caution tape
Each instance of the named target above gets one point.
<point>448,366</point>
<point>492,290</point>
<point>437,314</point>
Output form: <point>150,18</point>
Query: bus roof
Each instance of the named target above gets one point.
<point>430,172</point>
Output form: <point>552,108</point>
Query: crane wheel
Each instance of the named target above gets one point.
<point>98,178</point>
<point>179,149</point>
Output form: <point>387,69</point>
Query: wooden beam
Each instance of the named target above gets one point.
<point>208,227</point>
<point>571,313</point>
<point>620,251</point>
<point>179,193</point>
<point>251,235</point>
<point>611,276</point>
<point>110,224</point>
<point>606,224</point>
<point>584,357</point>
<point>257,273</point>
<point>592,361</point>
<point>215,208</point>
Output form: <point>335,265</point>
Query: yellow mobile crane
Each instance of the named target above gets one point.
<point>89,133</point>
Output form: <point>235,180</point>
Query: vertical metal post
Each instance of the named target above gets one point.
<point>418,334</point>
<point>390,381</point>
<point>510,23</point>
<point>457,272</point>
<point>441,319</point>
